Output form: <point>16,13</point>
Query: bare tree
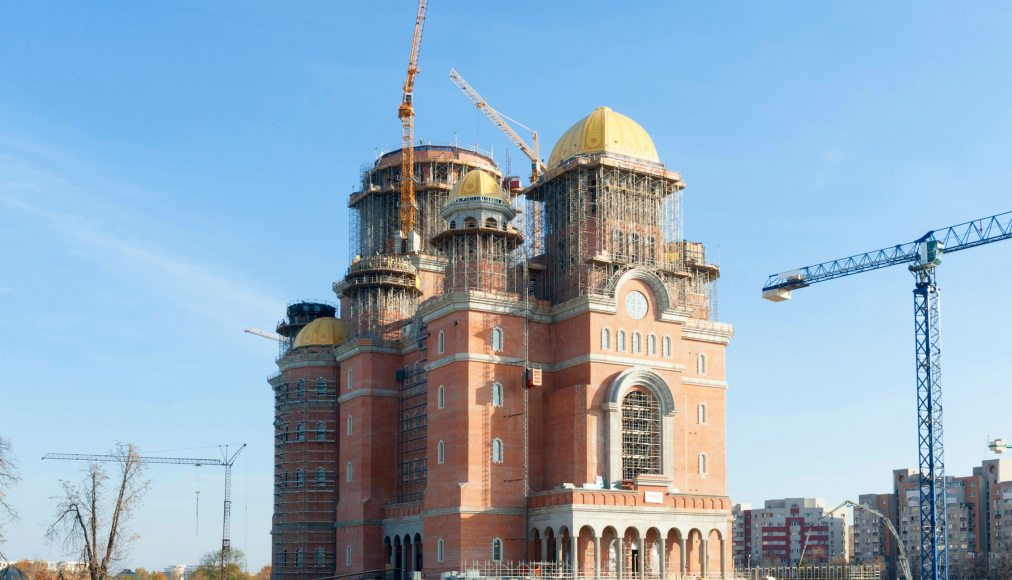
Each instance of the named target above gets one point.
<point>90,523</point>
<point>8,477</point>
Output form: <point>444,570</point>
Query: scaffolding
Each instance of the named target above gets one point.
<point>481,259</point>
<point>305,468</point>
<point>375,215</point>
<point>641,436</point>
<point>602,215</point>
<point>412,433</point>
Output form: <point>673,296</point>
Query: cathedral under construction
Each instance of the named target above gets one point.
<point>530,382</point>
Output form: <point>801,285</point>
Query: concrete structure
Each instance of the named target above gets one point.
<point>872,541</point>
<point>979,508</point>
<point>783,529</point>
<point>542,381</point>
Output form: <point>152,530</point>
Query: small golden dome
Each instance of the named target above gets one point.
<point>477,182</point>
<point>604,131</point>
<point>326,331</point>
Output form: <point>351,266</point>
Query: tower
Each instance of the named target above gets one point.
<point>305,432</point>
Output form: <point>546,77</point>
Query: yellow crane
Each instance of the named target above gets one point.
<point>499,120</point>
<point>406,113</point>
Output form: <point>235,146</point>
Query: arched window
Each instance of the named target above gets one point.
<point>701,364</point>
<point>496,395</point>
<point>491,223</point>
<point>620,341</point>
<point>351,427</point>
<point>496,550</point>
<point>284,558</point>
<point>637,343</point>
<point>702,464</point>
<point>666,347</point>
<point>616,243</point>
<point>321,387</point>
<point>348,472</point>
<point>347,555</point>
<point>605,339</point>
<point>441,397</point>
<point>440,452</point>
<point>651,345</point>
<point>701,414</point>
<point>300,388</point>
<point>441,342</point>
<point>453,224</point>
<point>440,550</point>
<point>351,379</point>
<point>470,222</point>
<point>321,557</point>
<point>321,477</point>
<point>321,431</point>
<point>284,478</point>
<point>300,432</point>
<point>497,339</point>
<point>286,434</point>
<point>497,450</point>
<point>641,435</point>
<point>300,478</point>
<point>298,557</point>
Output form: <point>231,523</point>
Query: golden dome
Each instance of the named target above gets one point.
<point>604,131</point>
<point>477,182</point>
<point>325,331</point>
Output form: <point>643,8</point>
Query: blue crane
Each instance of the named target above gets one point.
<point>922,256</point>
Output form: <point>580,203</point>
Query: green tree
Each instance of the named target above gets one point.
<point>211,566</point>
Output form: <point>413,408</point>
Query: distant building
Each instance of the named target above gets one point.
<point>783,529</point>
<point>872,541</point>
<point>979,512</point>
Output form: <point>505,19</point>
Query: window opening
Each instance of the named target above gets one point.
<point>641,435</point>
<point>496,395</point>
<point>497,450</point>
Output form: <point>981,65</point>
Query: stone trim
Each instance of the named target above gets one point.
<point>706,331</point>
<point>366,393</point>
<point>695,382</point>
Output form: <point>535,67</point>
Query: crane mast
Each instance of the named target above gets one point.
<point>498,119</point>
<point>922,256</point>
<point>227,462</point>
<point>406,113</point>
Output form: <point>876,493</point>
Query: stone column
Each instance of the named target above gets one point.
<point>662,551</point>
<point>641,557</point>
<point>574,543</point>
<point>684,565</point>
<point>544,549</point>
<point>705,546</point>
<point>619,558</point>
<point>597,557</point>
<point>723,558</point>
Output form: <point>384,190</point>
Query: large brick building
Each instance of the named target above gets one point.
<point>530,375</point>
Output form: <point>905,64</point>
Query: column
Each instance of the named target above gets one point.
<point>597,557</point>
<point>662,544</point>
<point>723,558</point>
<point>619,557</point>
<point>641,556</point>
<point>544,549</point>
<point>684,565</point>
<point>704,545</point>
<point>573,550</point>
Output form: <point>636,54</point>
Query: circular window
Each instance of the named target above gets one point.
<point>636,304</point>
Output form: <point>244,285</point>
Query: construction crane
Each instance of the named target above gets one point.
<point>226,461</point>
<point>406,113</point>
<point>922,256</point>
<point>999,445</point>
<point>265,334</point>
<point>499,120</point>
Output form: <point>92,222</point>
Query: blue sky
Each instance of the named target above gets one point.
<point>172,172</point>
